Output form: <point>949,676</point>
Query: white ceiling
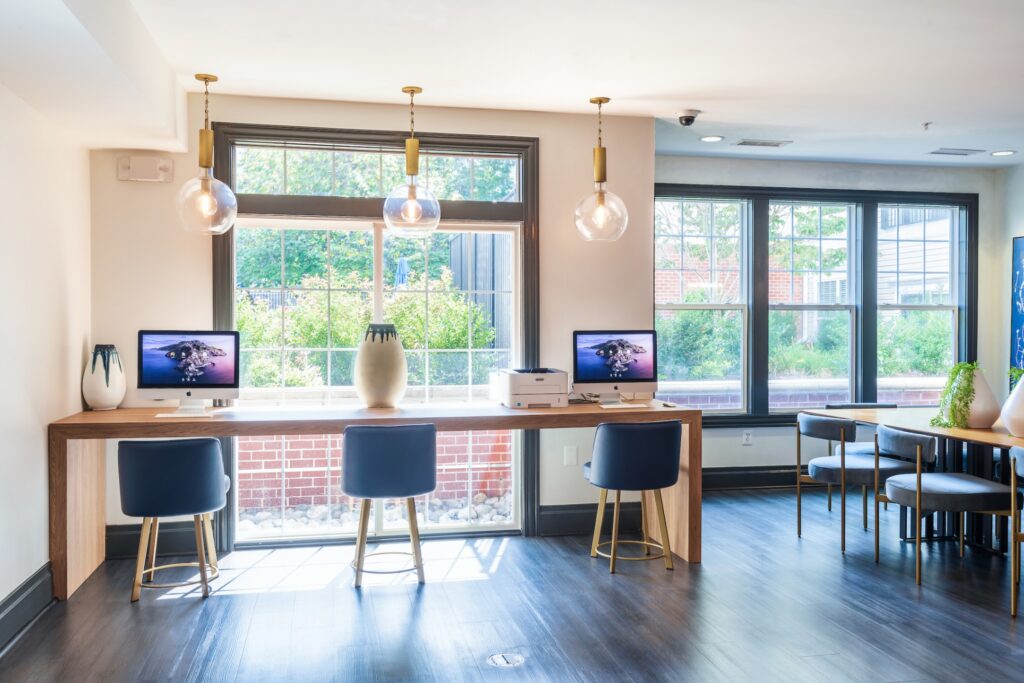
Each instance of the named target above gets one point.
<point>843,79</point>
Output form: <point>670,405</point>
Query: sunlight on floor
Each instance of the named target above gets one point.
<point>317,568</point>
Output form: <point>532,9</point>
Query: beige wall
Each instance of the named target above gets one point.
<point>44,273</point>
<point>148,273</point>
<point>722,447</point>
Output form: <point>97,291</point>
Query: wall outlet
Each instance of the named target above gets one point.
<point>570,456</point>
<point>748,437</point>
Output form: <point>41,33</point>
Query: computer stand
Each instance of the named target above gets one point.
<point>189,407</point>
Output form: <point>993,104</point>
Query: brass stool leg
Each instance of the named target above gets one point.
<point>663,528</point>
<point>140,559</point>
<point>643,521</point>
<point>615,531</point>
<point>414,537</point>
<point>211,545</point>
<point>917,545</point>
<point>151,555</point>
<point>364,521</point>
<point>197,522</point>
<point>876,523</point>
<point>598,522</point>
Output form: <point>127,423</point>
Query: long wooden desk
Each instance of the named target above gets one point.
<point>918,420</point>
<point>77,461</point>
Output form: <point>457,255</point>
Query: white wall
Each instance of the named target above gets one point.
<point>148,273</point>
<point>44,273</point>
<point>722,448</point>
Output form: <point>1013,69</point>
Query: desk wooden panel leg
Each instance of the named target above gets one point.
<point>683,501</point>
<point>77,474</point>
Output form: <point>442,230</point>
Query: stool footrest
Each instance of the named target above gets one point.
<point>387,571</point>
<point>214,573</point>
<point>639,558</point>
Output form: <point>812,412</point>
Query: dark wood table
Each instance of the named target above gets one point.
<point>77,462</point>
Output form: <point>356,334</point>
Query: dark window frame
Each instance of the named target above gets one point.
<point>526,211</point>
<point>865,306</point>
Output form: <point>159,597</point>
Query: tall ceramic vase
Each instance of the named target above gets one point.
<point>380,372</point>
<point>1012,414</point>
<point>984,408</point>
<point>103,384</point>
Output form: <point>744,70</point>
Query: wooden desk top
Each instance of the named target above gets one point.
<point>917,420</point>
<point>243,421</point>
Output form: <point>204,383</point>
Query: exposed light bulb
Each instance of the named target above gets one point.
<point>206,205</point>
<point>412,211</point>
<point>601,216</point>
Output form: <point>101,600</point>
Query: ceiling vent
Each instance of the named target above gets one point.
<point>763,143</point>
<point>956,151</point>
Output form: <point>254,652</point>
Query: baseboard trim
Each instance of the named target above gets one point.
<point>571,520</point>
<point>24,605</point>
<point>174,538</point>
<point>767,476</point>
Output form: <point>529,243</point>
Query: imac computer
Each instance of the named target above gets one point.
<point>609,362</point>
<point>188,365</point>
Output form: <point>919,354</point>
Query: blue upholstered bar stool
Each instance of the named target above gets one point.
<point>634,457</point>
<point>168,479</point>
<point>389,462</point>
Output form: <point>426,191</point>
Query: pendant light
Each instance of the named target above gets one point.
<point>205,204</point>
<point>411,210</point>
<point>602,215</point>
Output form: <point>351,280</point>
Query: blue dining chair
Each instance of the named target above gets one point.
<point>830,469</point>
<point>388,462</point>
<point>634,457</point>
<point>167,479</point>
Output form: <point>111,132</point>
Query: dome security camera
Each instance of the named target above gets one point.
<point>688,116</point>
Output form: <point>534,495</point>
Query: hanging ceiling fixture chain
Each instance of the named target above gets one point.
<point>412,114</point>
<point>599,143</point>
<point>206,103</point>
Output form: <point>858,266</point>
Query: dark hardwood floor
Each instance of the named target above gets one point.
<point>764,606</point>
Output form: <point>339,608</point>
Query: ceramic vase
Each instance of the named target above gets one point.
<point>984,408</point>
<point>380,370</point>
<point>1012,414</point>
<point>103,384</point>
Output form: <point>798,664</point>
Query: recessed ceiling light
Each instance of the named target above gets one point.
<point>712,138</point>
<point>1004,153</point>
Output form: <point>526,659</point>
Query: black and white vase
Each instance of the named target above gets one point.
<point>380,372</point>
<point>103,384</point>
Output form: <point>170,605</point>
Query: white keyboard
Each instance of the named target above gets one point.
<point>621,404</point>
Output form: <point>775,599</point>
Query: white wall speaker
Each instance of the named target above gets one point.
<point>148,169</point>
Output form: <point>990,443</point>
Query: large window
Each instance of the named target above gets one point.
<point>700,301</point>
<point>810,324</point>
<point>852,296</point>
<point>302,296</point>
<point>917,315</point>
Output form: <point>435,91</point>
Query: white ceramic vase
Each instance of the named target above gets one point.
<point>1012,414</point>
<point>380,370</point>
<point>103,384</point>
<point>984,408</point>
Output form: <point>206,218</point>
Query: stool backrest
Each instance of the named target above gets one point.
<point>171,477</point>
<point>903,444</point>
<point>636,457</point>
<point>823,427</point>
<point>389,462</point>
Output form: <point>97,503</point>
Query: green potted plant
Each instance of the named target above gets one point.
<point>967,400</point>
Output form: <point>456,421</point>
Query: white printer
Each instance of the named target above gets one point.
<point>530,388</point>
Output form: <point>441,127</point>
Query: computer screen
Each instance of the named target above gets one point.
<point>615,356</point>
<point>187,359</point>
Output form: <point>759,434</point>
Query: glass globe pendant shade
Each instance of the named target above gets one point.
<point>411,210</point>
<point>601,216</point>
<point>206,205</point>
